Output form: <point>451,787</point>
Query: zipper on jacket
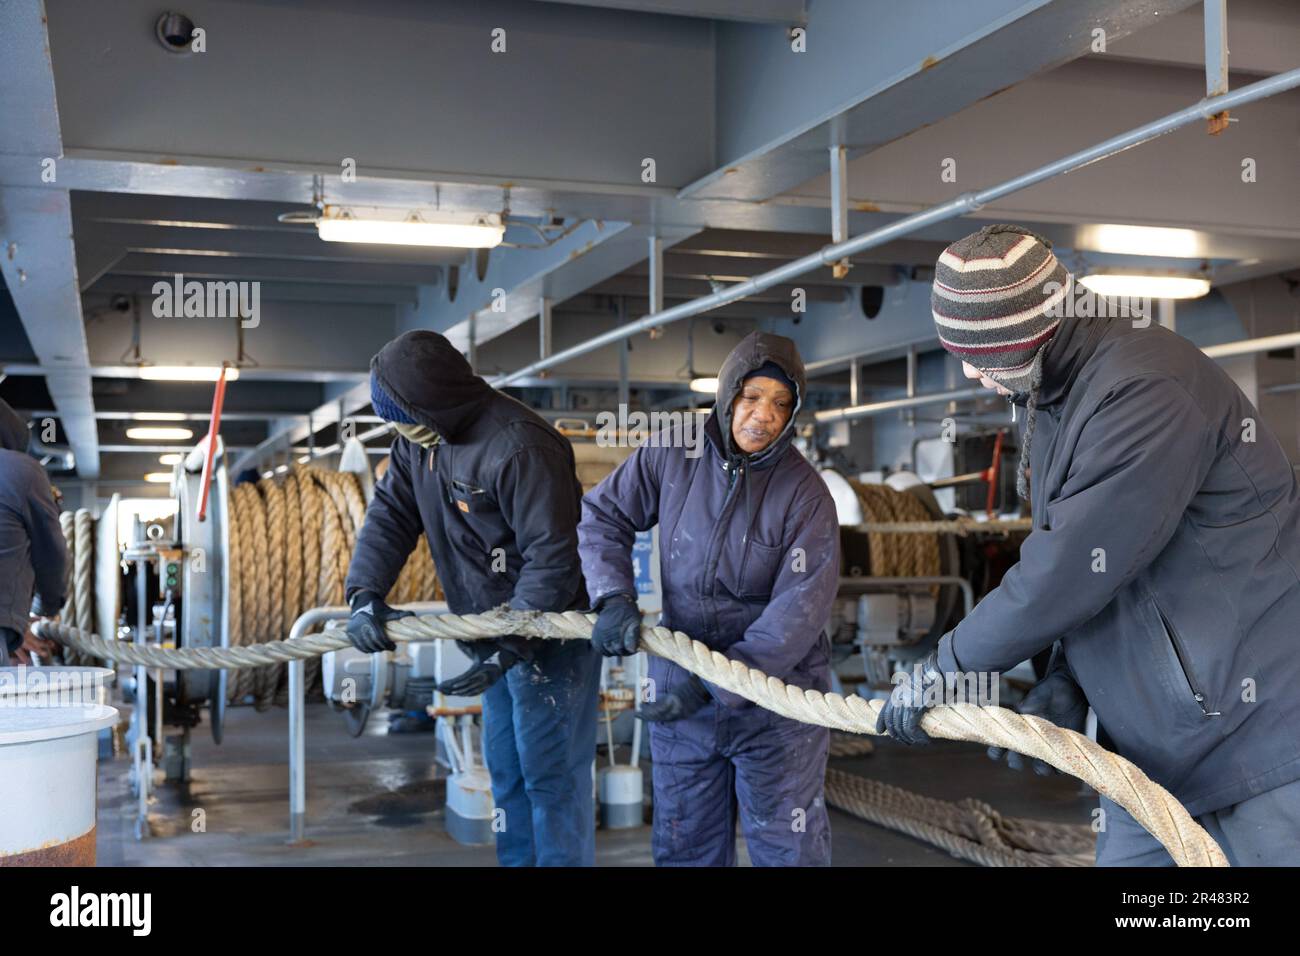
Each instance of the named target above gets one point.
<point>1184,665</point>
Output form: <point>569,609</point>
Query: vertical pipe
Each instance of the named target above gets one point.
<point>297,751</point>
<point>473,342</point>
<point>656,275</point>
<point>839,206</point>
<point>1216,47</point>
<point>910,415</point>
<point>624,372</point>
<point>855,381</point>
<point>1167,314</point>
<point>544,328</point>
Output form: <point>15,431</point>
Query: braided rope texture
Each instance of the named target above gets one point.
<point>1107,773</point>
<point>291,541</point>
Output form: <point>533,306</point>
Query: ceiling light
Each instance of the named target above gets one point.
<point>158,416</point>
<point>174,458</point>
<point>1144,241</point>
<point>186,373</point>
<point>407,228</point>
<point>159,477</point>
<point>160,433</point>
<point>1119,285</point>
<point>708,386</point>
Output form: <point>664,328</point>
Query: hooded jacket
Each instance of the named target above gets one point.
<point>748,545</point>
<point>497,498</point>
<point>1165,556</point>
<point>33,558</point>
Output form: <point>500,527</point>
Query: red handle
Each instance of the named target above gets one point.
<point>218,399</point>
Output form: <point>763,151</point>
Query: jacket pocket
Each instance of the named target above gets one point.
<point>759,569</point>
<point>465,496</point>
<point>1195,689</point>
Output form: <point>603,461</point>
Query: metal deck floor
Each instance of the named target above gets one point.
<point>376,801</point>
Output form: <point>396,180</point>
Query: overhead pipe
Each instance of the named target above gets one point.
<point>894,404</point>
<point>966,203</point>
<point>1244,347</point>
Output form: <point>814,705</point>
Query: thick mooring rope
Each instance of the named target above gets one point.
<point>969,830</point>
<point>1109,774</point>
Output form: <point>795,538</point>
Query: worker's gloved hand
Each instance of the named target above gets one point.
<point>617,632</point>
<point>677,703</point>
<point>1056,698</point>
<point>369,617</point>
<point>916,691</point>
<point>491,662</point>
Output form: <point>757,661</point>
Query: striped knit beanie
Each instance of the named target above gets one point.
<point>994,308</point>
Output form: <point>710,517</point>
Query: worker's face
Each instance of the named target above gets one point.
<point>970,371</point>
<point>759,413</point>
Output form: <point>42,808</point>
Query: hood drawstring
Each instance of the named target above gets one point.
<point>1031,417</point>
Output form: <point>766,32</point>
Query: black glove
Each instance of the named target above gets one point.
<point>618,627</point>
<point>907,704</point>
<point>1056,698</point>
<point>491,661</point>
<point>366,625</point>
<point>677,703</point>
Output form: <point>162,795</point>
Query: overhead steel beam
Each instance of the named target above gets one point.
<point>37,256</point>
<point>300,244</point>
<point>241,101</point>
<point>780,12</point>
<point>876,71</point>
<point>278,291</point>
<point>192,266</point>
<point>966,203</point>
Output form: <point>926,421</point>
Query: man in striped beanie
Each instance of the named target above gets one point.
<point>997,300</point>
<point>1163,571</point>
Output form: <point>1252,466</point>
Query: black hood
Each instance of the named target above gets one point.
<point>754,351</point>
<point>13,430</point>
<point>431,381</point>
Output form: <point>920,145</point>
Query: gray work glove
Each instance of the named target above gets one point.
<point>1056,698</point>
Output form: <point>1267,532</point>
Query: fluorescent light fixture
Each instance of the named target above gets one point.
<point>159,477</point>
<point>1120,285</point>
<point>281,469</point>
<point>708,386</point>
<point>161,433</point>
<point>158,416</point>
<point>409,228</point>
<point>175,458</point>
<point>186,373</point>
<point>1144,241</point>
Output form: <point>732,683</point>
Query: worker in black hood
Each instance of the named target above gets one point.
<point>494,489</point>
<point>33,558</point>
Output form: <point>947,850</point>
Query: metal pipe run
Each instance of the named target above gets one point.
<point>893,404</point>
<point>1243,347</point>
<point>968,202</point>
<point>298,702</point>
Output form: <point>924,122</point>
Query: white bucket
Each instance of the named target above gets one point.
<point>59,686</point>
<point>48,783</point>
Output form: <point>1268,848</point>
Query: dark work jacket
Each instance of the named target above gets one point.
<point>498,499</point>
<point>1186,640</point>
<point>748,545</point>
<point>33,558</point>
